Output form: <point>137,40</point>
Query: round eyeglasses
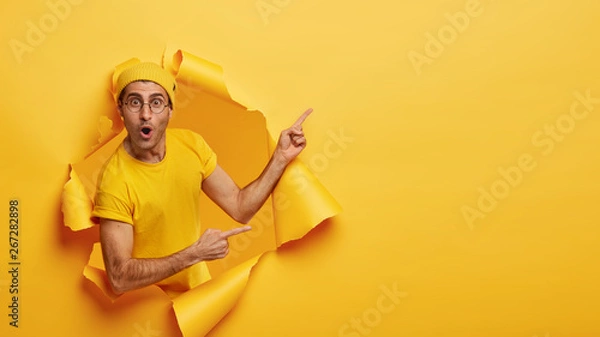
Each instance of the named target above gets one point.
<point>135,105</point>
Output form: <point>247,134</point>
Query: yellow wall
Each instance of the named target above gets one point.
<point>463,154</point>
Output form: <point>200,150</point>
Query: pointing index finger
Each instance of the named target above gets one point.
<point>235,231</point>
<point>303,117</point>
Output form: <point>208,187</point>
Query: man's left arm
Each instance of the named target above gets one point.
<point>242,204</point>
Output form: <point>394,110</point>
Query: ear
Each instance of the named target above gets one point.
<point>120,110</point>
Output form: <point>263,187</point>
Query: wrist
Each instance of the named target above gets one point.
<point>279,159</point>
<point>189,257</point>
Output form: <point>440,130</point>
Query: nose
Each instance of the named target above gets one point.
<point>145,112</point>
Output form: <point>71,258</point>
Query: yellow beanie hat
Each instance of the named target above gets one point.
<point>146,71</point>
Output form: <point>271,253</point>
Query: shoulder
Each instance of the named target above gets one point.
<point>113,170</point>
<point>189,146</point>
<point>187,137</point>
<point>182,134</point>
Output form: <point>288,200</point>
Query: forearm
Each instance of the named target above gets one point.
<point>135,273</point>
<point>253,196</point>
<point>127,273</point>
<point>242,204</point>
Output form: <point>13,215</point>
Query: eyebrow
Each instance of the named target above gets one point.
<point>140,96</point>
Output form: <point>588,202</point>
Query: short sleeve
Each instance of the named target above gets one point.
<point>207,156</point>
<point>110,207</point>
<point>111,201</point>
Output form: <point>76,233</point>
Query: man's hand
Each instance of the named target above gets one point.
<point>291,141</point>
<point>213,243</point>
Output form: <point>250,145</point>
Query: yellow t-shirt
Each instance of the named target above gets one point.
<point>160,201</point>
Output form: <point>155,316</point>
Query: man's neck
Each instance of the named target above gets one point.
<point>152,156</point>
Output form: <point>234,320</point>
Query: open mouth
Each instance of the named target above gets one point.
<point>146,132</point>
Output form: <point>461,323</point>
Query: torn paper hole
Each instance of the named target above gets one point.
<point>243,145</point>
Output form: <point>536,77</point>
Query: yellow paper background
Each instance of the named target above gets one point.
<point>401,151</point>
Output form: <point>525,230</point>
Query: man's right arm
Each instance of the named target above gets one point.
<point>127,273</point>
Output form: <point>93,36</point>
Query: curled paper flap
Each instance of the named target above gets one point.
<point>308,200</point>
<point>212,300</point>
<point>76,204</point>
<point>105,131</point>
<point>78,192</point>
<point>299,202</point>
<point>197,72</point>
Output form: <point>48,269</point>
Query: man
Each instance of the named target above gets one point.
<point>147,196</point>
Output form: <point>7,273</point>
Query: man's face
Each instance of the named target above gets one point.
<point>146,129</point>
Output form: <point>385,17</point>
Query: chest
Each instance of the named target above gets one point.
<point>165,188</point>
